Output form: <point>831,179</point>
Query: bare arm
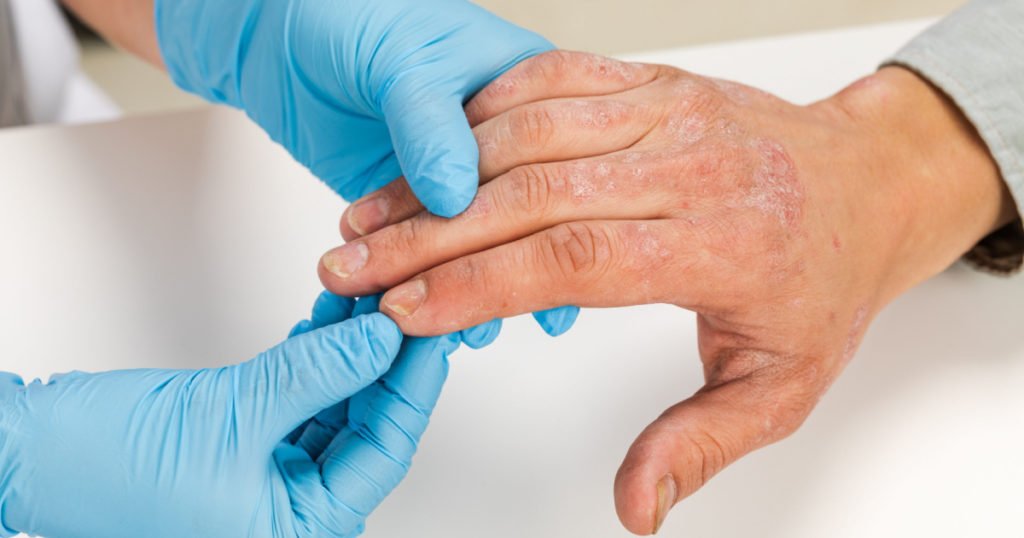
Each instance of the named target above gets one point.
<point>126,23</point>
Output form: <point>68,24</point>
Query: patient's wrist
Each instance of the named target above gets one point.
<point>946,191</point>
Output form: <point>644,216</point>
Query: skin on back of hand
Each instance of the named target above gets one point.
<point>786,228</point>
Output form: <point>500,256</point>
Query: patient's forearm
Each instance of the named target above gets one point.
<point>126,23</point>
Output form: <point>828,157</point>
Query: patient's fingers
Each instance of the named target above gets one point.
<point>549,131</point>
<point>554,107</point>
<point>557,74</point>
<point>561,130</point>
<point>522,202</point>
<point>590,264</point>
<point>392,203</point>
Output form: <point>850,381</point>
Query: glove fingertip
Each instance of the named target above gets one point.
<point>447,197</point>
<point>367,305</point>
<point>557,321</point>
<point>451,344</point>
<point>382,335</point>
<point>329,309</point>
<point>433,346</point>
<point>300,328</point>
<point>482,335</point>
<point>436,149</point>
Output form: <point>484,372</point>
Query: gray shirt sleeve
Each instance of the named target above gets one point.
<point>976,56</point>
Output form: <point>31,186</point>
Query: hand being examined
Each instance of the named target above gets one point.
<point>786,228</point>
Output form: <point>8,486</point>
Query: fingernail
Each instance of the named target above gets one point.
<point>666,500</point>
<point>345,261</point>
<point>369,214</point>
<point>405,299</point>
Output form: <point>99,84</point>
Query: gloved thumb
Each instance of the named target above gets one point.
<point>292,382</point>
<point>435,147</point>
<point>694,440</point>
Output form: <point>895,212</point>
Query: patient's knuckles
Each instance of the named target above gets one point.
<point>579,252</point>
<point>543,67</point>
<point>567,68</point>
<point>603,69</point>
<point>553,67</point>
<point>531,126</point>
<point>699,93</point>
<point>536,126</point>
<point>564,70</point>
<point>402,239</point>
<point>685,93</point>
<point>602,114</point>
<point>530,189</point>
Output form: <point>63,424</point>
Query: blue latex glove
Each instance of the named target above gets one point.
<point>174,453</point>
<point>330,308</point>
<point>317,434</point>
<point>357,90</point>
<point>557,321</point>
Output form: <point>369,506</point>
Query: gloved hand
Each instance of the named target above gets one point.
<point>173,453</point>
<point>315,435</point>
<point>357,90</point>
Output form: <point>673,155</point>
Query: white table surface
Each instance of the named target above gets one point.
<point>190,240</point>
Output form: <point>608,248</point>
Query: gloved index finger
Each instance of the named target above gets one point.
<point>330,309</point>
<point>373,453</point>
<point>285,386</point>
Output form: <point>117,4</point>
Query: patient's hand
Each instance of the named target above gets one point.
<point>786,228</point>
